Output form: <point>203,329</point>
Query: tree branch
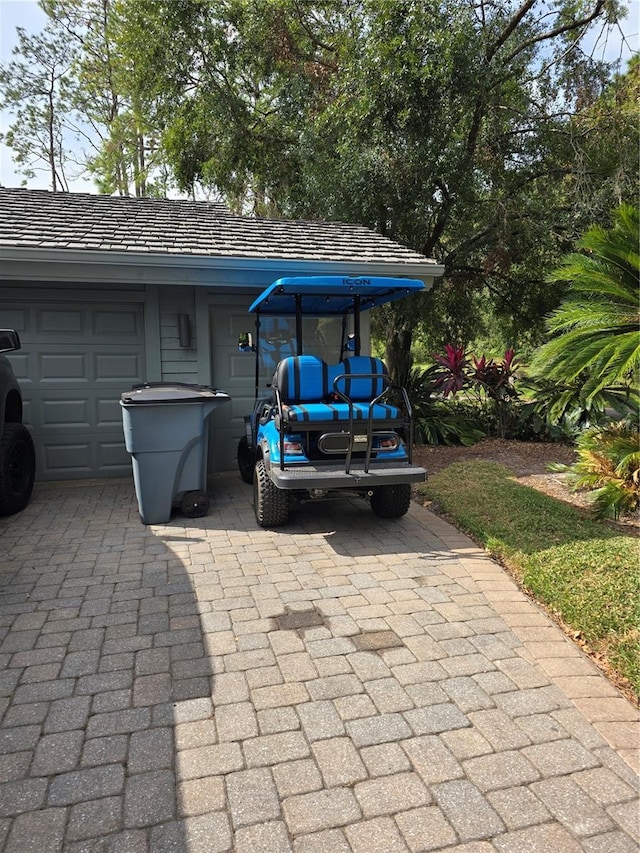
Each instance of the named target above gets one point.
<point>565,28</point>
<point>511,26</point>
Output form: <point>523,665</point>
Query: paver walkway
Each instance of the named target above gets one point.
<point>344,684</point>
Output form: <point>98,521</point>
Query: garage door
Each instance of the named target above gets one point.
<point>233,372</point>
<point>76,360</point>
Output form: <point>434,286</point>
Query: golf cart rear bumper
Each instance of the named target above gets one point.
<point>334,477</point>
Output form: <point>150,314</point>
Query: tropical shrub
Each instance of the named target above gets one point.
<point>609,466</point>
<point>596,329</point>
<point>554,411</point>
<point>453,374</point>
<point>488,386</point>
<point>438,421</point>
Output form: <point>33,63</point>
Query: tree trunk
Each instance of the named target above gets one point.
<point>51,136</point>
<point>398,338</point>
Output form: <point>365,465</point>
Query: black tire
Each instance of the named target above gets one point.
<point>17,468</point>
<point>391,501</point>
<point>271,504</point>
<point>195,504</point>
<point>246,460</point>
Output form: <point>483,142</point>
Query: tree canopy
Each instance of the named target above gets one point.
<point>473,131</point>
<point>77,104</point>
<point>448,126</point>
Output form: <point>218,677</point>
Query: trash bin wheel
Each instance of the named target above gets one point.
<point>195,504</point>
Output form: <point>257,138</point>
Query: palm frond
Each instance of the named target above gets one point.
<point>596,329</point>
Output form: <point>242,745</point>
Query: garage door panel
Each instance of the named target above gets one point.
<point>122,366</point>
<point>113,457</point>
<point>68,458</point>
<point>80,452</point>
<point>109,412</point>
<point>242,365</point>
<point>14,319</point>
<point>240,406</point>
<point>56,367</point>
<point>58,323</point>
<point>86,458</point>
<point>230,323</point>
<point>126,324</point>
<point>60,408</point>
<point>66,413</point>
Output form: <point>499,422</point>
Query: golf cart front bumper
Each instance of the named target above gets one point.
<point>333,476</point>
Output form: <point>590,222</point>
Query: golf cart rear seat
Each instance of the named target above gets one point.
<point>310,392</point>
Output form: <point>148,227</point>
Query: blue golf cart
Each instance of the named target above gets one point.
<point>327,420</point>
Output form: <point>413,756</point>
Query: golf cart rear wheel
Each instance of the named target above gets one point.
<point>17,468</point>
<point>246,460</point>
<point>391,501</point>
<point>271,504</point>
<point>195,504</point>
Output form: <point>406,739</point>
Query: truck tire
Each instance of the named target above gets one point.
<point>391,501</point>
<point>246,460</point>
<point>271,504</point>
<point>17,468</point>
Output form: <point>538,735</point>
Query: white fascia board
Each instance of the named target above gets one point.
<point>26,263</point>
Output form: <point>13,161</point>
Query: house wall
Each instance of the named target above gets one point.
<point>178,364</point>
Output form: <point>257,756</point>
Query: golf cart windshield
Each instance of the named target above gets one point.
<point>321,336</point>
<point>317,315</point>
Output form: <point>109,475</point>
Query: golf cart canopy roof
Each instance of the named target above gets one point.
<point>325,295</point>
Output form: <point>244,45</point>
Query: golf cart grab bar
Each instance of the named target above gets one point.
<point>388,386</point>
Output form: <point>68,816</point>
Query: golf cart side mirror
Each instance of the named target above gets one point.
<point>245,342</point>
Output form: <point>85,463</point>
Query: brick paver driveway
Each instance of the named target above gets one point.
<point>342,684</point>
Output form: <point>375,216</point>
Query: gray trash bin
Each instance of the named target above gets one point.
<point>165,431</point>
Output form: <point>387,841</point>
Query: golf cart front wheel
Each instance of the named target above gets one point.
<point>271,504</point>
<point>391,501</point>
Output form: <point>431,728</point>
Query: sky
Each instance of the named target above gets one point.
<point>27,14</point>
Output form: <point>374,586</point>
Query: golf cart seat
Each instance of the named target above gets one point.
<point>308,391</point>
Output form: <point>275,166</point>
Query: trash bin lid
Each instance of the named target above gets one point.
<point>170,392</point>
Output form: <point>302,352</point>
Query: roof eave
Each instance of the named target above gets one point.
<point>199,265</point>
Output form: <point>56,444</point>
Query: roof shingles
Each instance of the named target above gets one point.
<point>38,218</point>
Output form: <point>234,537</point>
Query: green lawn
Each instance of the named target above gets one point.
<point>581,569</point>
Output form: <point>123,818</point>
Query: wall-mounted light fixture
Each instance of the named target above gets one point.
<point>184,331</point>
